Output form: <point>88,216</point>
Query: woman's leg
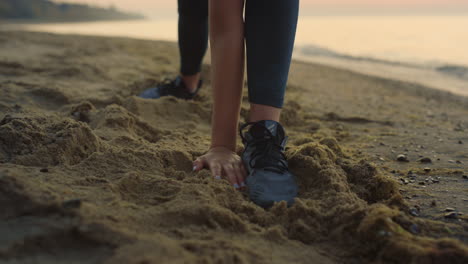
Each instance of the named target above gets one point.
<point>270,29</point>
<point>193,39</point>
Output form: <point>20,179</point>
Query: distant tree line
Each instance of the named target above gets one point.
<point>50,11</point>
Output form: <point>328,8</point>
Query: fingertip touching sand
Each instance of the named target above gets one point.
<point>91,173</point>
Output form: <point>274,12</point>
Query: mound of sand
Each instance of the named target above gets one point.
<point>105,177</point>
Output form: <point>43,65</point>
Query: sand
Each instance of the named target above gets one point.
<point>90,173</point>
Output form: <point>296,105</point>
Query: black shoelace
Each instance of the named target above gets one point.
<point>167,85</point>
<point>267,154</point>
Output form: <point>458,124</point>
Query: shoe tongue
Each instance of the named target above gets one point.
<point>260,129</point>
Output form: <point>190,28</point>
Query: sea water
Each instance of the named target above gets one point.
<point>437,43</point>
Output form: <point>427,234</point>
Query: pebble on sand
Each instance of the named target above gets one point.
<point>402,158</point>
<point>414,228</point>
<point>414,212</point>
<point>425,160</point>
<point>451,215</point>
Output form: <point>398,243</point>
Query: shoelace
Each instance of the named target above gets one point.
<point>167,85</point>
<point>263,155</point>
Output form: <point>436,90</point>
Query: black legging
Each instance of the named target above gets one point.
<point>270,29</point>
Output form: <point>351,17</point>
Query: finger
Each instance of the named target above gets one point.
<point>215,170</point>
<point>199,164</point>
<point>231,175</point>
<point>239,176</point>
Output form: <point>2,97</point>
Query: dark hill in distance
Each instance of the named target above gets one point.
<point>45,10</point>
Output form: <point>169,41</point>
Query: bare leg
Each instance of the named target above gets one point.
<point>191,81</point>
<point>264,112</point>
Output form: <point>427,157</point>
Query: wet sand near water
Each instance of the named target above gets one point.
<point>90,173</point>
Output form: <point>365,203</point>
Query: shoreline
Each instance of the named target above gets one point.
<point>441,76</point>
<point>399,72</point>
<point>414,86</point>
<point>54,21</point>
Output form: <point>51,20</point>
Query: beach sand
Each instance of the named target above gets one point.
<point>90,173</point>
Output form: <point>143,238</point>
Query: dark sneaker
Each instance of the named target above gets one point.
<point>175,88</point>
<point>269,179</point>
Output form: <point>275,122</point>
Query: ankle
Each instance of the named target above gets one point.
<point>264,112</point>
<point>191,81</point>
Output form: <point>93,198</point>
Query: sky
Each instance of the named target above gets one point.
<point>155,8</point>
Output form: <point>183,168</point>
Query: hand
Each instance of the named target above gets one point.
<point>219,160</point>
